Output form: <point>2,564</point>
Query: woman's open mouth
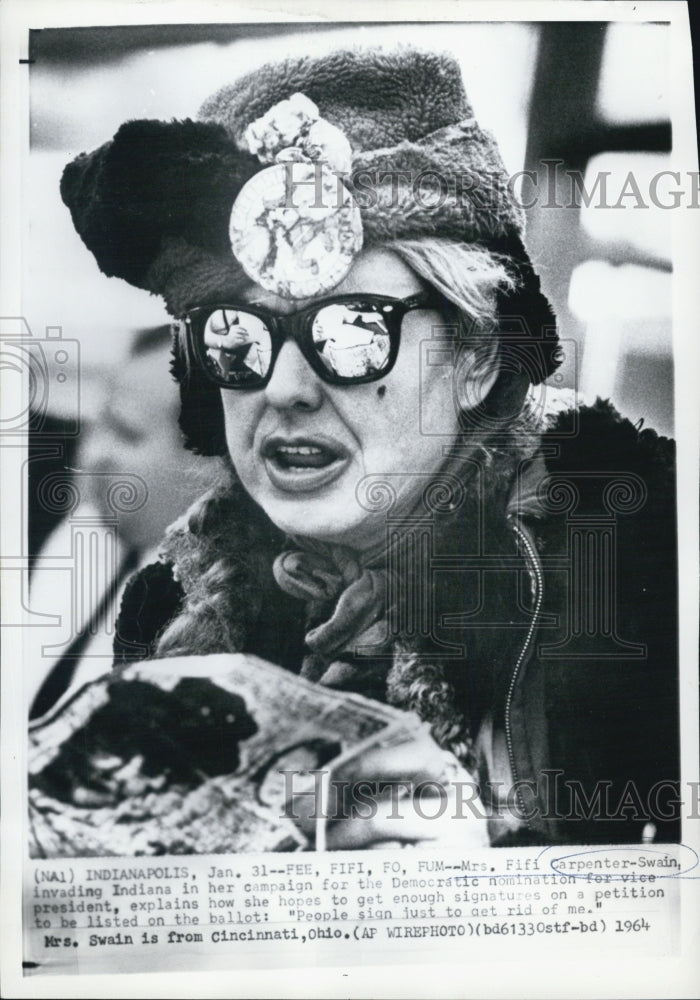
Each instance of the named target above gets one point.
<point>300,464</point>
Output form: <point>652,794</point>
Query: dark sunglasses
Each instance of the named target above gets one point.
<point>347,339</point>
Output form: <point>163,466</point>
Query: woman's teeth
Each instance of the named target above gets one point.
<point>300,450</point>
<point>303,456</point>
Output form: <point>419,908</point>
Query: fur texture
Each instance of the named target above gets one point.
<point>584,713</point>
<point>153,205</point>
<point>155,180</point>
<point>380,98</point>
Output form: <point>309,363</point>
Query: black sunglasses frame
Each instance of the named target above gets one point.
<point>299,326</point>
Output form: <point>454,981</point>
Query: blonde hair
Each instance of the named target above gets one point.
<point>468,276</point>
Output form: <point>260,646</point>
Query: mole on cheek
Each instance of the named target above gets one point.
<point>381,391</point>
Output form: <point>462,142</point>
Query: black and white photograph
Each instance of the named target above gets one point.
<point>352,587</point>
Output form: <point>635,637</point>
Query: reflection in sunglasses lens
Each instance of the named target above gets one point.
<point>351,341</point>
<point>238,346</point>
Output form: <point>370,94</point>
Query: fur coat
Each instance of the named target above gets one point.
<point>564,606</point>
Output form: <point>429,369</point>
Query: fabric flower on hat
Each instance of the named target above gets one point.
<point>294,130</point>
<point>326,142</point>
<point>282,126</point>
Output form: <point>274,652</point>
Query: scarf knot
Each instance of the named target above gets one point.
<point>347,601</point>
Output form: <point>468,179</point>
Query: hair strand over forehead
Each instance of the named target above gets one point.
<point>467,275</point>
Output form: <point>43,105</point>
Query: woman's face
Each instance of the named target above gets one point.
<point>301,446</point>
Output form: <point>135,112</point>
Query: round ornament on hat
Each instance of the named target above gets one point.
<point>295,229</point>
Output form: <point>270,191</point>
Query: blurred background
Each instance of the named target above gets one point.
<point>589,98</point>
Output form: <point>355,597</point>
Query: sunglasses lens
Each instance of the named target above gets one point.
<point>237,347</point>
<point>352,339</point>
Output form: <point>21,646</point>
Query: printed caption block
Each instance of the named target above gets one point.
<point>209,912</point>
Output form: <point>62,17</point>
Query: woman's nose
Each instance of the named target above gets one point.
<point>293,384</point>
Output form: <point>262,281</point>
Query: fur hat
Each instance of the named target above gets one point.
<point>153,204</point>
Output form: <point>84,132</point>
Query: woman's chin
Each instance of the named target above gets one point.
<point>325,509</point>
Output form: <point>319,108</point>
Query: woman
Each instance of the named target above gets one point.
<point>394,524</point>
